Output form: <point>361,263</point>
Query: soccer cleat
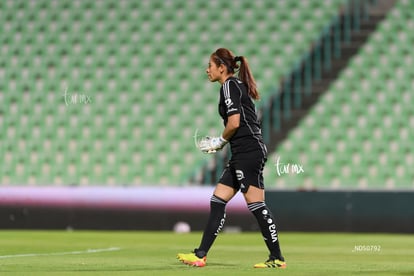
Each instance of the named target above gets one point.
<point>271,264</point>
<point>191,259</point>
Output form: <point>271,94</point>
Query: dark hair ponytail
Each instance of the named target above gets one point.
<point>226,57</point>
<point>246,76</point>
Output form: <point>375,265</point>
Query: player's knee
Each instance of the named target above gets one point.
<point>217,204</point>
<point>216,199</point>
<point>253,194</point>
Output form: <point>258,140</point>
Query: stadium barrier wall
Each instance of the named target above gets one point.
<point>160,208</point>
<point>344,211</point>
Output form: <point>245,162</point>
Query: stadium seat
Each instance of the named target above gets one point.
<point>367,110</point>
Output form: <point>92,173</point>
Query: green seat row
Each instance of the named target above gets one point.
<point>360,134</point>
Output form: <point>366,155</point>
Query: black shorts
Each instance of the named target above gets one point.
<point>240,174</point>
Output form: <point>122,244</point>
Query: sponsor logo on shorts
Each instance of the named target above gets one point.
<point>239,174</point>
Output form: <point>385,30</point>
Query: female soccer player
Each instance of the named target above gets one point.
<point>244,171</point>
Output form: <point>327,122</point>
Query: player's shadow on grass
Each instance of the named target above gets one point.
<point>220,264</point>
<point>209,264</point>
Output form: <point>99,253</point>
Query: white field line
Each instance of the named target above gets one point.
<point>88,251</point>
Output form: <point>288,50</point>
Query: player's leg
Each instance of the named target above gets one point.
<point>217,217</point>
<point>222,194</point>
<point>256,204</point>
<point>255,199</point>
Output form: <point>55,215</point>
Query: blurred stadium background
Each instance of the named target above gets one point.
<point>100,101</point>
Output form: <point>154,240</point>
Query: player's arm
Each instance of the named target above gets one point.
<point>233,123</point>
<point>232,95</point>
<point>232,98</point>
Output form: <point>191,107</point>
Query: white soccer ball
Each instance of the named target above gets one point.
<point>182,227</point>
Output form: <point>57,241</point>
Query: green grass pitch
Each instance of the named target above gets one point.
<point>154,253</point>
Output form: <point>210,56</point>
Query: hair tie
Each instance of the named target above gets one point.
<point>237,58</point>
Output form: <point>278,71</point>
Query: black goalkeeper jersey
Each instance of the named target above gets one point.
<point>247,141</point>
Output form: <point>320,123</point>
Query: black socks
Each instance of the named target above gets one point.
<point>214,225</point>
<point>268,228</point>
<point>217,218</point>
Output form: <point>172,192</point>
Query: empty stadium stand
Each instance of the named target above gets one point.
<point>111,92</point>
<point>358,135</point>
